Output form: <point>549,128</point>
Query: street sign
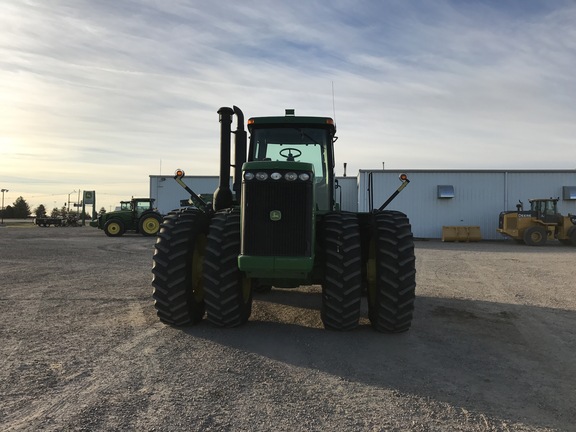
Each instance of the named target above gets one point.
<point>89,197</point>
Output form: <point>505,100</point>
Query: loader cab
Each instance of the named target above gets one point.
<point>298,139</point>
<point>545,210</point>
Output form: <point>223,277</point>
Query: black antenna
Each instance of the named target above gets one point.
<point>333,103</point>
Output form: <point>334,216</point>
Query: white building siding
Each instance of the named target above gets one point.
<point>524,186</point>
<point>479,195</point>
<point>347,194</point>
<point>168,193</point>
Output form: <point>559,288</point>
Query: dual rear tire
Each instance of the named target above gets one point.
<point>388,269</point>
<point>342,283</point>
<point>177,267</point>
<point>195,270</point>
<point>227,291</point>
<point>391,272</point>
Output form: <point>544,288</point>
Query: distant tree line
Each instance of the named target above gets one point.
<point>18,210</point>
<point>21,210</point>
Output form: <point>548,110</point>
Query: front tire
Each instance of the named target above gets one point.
<point>227,292</point>
<point>391,273</point>
<point>342,284</point>
<point>535,236</point>
<point>114,228</point>
<point>177,268</point>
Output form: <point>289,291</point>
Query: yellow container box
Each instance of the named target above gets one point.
<point>461,233</point>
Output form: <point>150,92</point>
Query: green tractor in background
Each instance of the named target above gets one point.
<point>280,226</point>
<point>137,215</point>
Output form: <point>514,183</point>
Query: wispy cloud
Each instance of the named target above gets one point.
<point>95,92</point>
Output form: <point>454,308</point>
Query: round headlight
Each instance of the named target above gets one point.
<point>248,176</point>
<point>290,176</point>
<point>261,175</point>
<point>275,176</point>
<point>304,176</point>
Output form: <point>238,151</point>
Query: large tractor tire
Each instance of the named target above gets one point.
<point>114,228</point>
<point>391,272</point>
<point>227,292</point>
<point>177,267</point>
<point>535,236</point>
<point>149,224</point>
<point>342,284</point>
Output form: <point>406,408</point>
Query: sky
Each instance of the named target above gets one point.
<point>99,95</point>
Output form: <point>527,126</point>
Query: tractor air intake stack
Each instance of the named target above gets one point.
<point>223,194</point>
<point>240,149</point>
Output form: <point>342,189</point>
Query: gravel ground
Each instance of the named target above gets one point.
<point>491,348</point>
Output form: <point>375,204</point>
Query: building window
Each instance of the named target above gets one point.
<point>569,192</point>
<point>445,191</point>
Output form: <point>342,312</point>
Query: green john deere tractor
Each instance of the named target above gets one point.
<point>279,225</point>
<point>137,215</point>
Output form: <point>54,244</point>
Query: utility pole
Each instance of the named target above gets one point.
<point>68,208</point>
<point>3,190</point>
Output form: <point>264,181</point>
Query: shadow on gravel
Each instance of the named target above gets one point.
<point>511,361</point>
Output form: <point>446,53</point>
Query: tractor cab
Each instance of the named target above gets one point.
<point>309,140</point>
<point>141,205</point>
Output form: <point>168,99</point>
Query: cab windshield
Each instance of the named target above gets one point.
<point>292,144</point>
<point>297,144</point>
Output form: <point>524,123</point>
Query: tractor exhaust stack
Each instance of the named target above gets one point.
<point>223,194</point>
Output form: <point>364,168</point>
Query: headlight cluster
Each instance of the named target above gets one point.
<point>288,176</point>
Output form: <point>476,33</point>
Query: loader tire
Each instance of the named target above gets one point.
<point>149,224</point>
<point>227,292</point>
<point>391,272</point>
<point>572,235</point>
<point>114,228</point>
<point>342,283</point>
<point>535,236</point>
<point>177,267</point>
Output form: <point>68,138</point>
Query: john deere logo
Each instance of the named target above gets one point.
<point>275,215</point>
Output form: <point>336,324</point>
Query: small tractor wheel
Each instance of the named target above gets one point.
<point>149,224</point>
<point>177,267</point>
<point>114,228</point>
<point>227,292</point>
<point>391,272</point>
<point>535,236</point>
<point>342,284</point>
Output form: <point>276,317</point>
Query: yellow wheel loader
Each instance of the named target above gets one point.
<point>539,224</point>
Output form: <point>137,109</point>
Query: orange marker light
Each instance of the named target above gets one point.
<point>403,177</point>
<point>179,173</point>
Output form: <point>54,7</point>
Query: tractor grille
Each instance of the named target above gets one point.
<point>262,201</point>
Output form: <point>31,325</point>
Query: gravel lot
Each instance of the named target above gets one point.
<point>492,346</point>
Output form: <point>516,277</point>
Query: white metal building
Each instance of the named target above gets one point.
<point>433,199</point>
<point>168,193</point>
